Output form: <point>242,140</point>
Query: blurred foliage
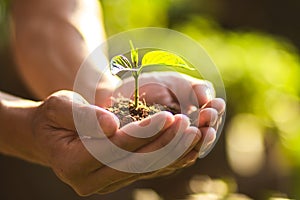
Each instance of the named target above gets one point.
<point>121,15</point>
<point>260,73</point>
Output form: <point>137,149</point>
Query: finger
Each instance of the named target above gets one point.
<point>202,93</point>
<point>218,123</point>
<point>156,154</point>
<point>93,121</point>
<point>126,89</point>
<point>118,178</point>
<point>197,138</point>
<point>216,103</point>
<point>58,108</point>
<point>137,134</point>
<point>161,96</point>
<point>187,159</point>
<point>190,138</point>
<point>219,105</point>
<point>148,127</point>
<point>208,138</point>
<point>127,140</point>
<point>183,162</point>
<point>178,87</point>
<point>103,97</point>
<point>147,84</point>
<point>204,117</point>
<point>71,111</point>
<point>207,117</point>
<point>190,158</point>
<point>180,124</point>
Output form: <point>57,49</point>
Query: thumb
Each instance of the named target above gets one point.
<point>93,121</point>
<point>71,111</point>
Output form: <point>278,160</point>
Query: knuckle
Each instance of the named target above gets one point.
<point>53,100</point>
<point>45,111</point>
<point>50,106</point>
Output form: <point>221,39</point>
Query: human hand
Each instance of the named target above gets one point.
<point>187,95</point>
<point>66,151</point>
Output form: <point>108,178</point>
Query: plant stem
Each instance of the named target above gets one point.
<point>136,89</point>
<point>135,74</point>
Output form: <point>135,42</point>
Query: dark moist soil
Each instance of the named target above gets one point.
<point>125,110</point>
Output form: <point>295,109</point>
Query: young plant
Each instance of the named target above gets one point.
<point>153,58</point>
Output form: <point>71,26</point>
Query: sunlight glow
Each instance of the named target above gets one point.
<point>145,194</point>
<point>88,20</point>
<point>245,145</point>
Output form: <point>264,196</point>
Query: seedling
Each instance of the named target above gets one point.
<point>120,63</point>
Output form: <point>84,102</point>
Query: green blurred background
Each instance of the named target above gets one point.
<point>255,44</point>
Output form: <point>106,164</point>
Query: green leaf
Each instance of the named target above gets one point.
<point>119,63</point>
<point>164,58</point>
<point>134,55</point>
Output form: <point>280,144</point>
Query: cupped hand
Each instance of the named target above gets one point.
<point>69,151</point>
<point>187,95</point>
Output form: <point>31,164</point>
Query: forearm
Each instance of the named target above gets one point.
<point>16,137</point>
<point>51,40</point>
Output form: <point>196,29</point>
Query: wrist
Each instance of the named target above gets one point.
<point>16,136</point>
